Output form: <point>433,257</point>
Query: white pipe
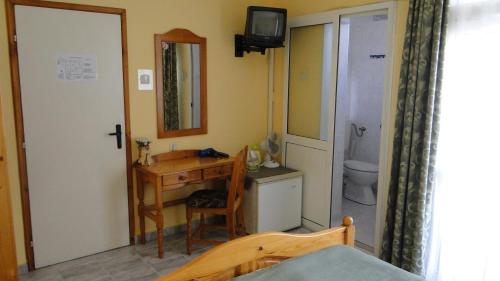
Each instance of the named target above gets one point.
<point>270,92</point>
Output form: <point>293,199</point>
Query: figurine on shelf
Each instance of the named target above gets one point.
<point>144,152</point>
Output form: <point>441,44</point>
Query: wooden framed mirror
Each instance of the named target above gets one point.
<point>181,83</point>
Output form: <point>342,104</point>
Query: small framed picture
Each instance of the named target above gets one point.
<point>145,79</point>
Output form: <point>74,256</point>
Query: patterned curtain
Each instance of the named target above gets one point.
<point>170,103</point>
<point>412,175</point>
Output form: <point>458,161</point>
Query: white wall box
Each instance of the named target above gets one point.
<point>273,200</point>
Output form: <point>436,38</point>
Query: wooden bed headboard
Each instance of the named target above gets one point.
<point>257,251</point>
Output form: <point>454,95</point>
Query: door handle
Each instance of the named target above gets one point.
<point>118,134</point>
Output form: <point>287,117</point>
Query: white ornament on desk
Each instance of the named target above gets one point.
<point>144,151</point>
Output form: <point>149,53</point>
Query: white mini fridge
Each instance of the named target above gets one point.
<point>273,200</point>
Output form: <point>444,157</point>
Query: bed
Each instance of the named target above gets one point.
<point>324,255</point>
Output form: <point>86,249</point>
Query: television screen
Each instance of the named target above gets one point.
<point>265,26</point>
<point>267,23</point>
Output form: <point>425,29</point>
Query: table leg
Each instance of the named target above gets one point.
<point>140,195</point>
<point>159,216</point>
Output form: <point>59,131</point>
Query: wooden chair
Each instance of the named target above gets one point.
<point>219,202</point>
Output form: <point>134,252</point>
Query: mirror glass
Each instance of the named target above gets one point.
<point>181,85</point>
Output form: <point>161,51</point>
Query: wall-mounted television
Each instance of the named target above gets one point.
<point>265,28</point>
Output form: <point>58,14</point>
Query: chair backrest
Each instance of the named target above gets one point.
<point>237,185</point>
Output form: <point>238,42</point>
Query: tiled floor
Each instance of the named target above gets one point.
<point>364,220</point>
<point>137,262</point>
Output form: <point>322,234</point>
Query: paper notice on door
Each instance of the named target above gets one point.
<point>76,67</point>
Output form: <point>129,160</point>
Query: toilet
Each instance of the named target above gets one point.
<point>360,177</point>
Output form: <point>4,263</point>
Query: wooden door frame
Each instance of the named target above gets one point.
<point>18,112</point>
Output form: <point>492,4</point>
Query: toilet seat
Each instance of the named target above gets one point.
<point>361,166</point>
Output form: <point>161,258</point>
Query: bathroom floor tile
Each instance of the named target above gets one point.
<point>364,220</point>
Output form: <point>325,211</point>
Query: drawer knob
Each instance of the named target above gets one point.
<point>181,178</point>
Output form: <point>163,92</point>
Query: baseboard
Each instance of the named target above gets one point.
<point>364,247</point>
<point>312,225</point>
<point>22,268</point>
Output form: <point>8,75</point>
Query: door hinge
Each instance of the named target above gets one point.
<point>15,38</point>
<point>31,243</point>
<point>24,145</point>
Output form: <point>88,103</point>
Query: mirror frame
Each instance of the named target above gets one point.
<point>179,35</point>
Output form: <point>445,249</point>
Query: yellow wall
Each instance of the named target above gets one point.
<point>306,75</point>
<point>237,87</point>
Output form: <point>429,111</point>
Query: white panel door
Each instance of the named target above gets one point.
<point>309,112</point>
<point>316,197</point>
<point>76,172</point>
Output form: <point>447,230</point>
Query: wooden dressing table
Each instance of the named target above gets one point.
<point>173,170</point>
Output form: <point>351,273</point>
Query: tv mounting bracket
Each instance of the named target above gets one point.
<point>241,46</point>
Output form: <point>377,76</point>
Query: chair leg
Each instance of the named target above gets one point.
<point>189,217</point>
<point>241,221</point>
<point>231,229</point>
<point>202,225</point>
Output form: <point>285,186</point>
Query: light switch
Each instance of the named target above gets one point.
<point>145,79</point>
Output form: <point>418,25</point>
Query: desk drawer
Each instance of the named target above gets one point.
<point>217,172</point>
<point>182,177</point>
